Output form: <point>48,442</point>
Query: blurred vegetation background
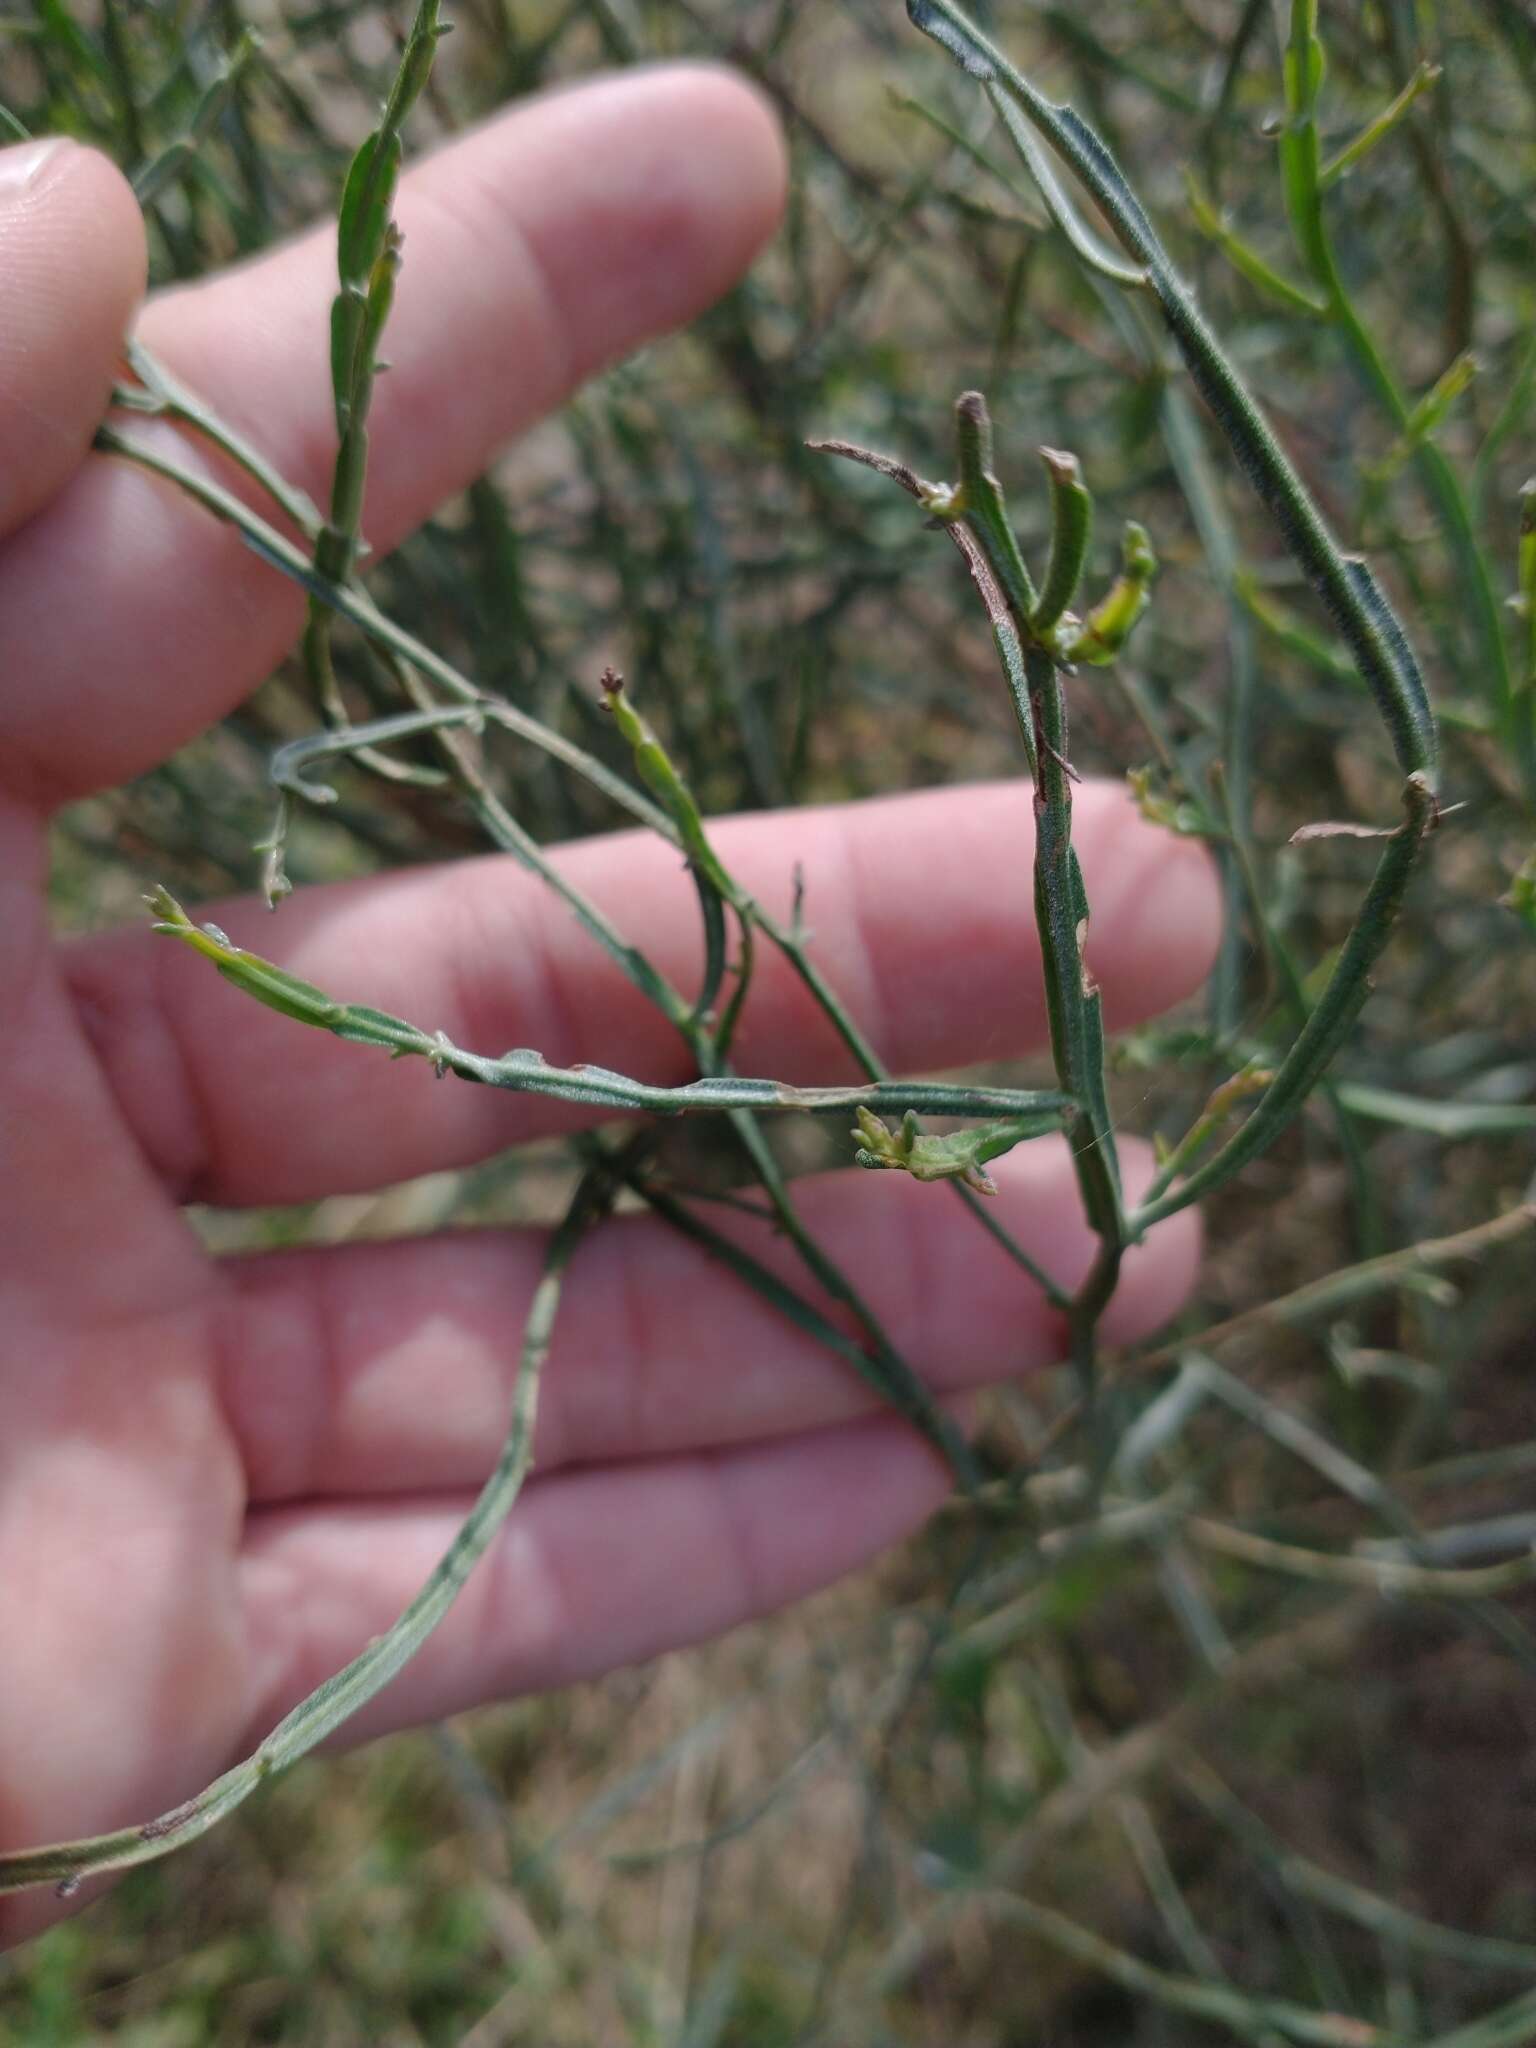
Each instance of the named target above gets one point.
<point>1149,1774</point>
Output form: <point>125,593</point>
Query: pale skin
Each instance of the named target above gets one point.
<point>219,1479</point>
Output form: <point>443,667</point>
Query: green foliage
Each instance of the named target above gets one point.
<point>1171,1730</point>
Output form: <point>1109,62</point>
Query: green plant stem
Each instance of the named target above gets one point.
<point>975,516</point>
<point>1246,260</point>
<point>271,547</point>
<point>1424,76</point>
<point>354,605</point>
<point>1084,244</point>
<point>1328,1025</point>
<point>1351,1284</point>
<point>1061,915</point>
<point>527,1072</point>
<point>1246,2014</point>
<point>877,1359</point>
<point>1385,1576</point>
<point>1073,1008</point>
<point>339,1697</point>
<point>1338,1894</point>
<point>1345,585</point>
<point>368,262</point>
<point>1358,608</point>
<point>167,165</point>
<point>752,1271</point>
<point>1305,182</point>
<point>162,395</point>
<point>790,943</point>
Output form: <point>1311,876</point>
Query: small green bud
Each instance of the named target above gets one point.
<point>1071,526</point>
<point>656,769</point>
<point>1174,814</point>
<point>973,439</point>
<point>944,501</point>
<point>959,1155</point>
<point>280,990</point>
<point>1103,634</point>
<point>1521,897</point>
<point>1526,559</point>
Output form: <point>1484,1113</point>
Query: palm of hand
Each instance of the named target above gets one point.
<point>218,1479</point>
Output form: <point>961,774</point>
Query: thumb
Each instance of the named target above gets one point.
<point>71,273</point>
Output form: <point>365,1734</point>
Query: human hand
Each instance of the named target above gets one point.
<point>218,1479</point>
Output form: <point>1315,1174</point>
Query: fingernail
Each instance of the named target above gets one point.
<point>20,167</point>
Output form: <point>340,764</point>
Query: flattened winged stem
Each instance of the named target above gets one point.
<point>1023,625</point>
<point>1306,533</point>
<point>1061,914</point>
<point>526,1071</point>
<point>1061,902</point>
<point>1074,1007</point>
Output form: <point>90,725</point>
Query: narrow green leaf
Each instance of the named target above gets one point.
<point>1087,246</point>
<point>1451,1120</point>
<point>1071,529</point>
<point>1424,76</point>
<point>1246,260</point>
<point>365,204</point>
